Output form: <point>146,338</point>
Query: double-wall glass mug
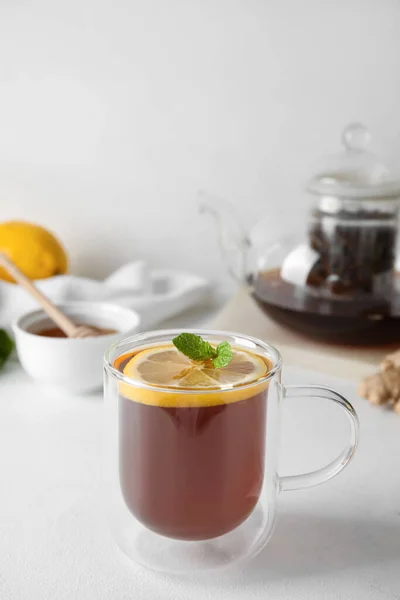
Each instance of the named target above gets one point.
<point>192,451</point>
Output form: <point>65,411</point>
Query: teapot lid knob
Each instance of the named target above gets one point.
<point>356,137</point>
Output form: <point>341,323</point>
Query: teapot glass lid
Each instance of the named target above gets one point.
<point>355,172</point>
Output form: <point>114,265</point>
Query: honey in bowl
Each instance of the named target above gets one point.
<point>191,464</point>
<point>56,332</point>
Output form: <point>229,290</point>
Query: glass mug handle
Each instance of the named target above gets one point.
<point>305,480</point>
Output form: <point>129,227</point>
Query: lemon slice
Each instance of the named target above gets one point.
<point>166,367</point>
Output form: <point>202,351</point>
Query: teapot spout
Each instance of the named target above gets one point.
<point>233,239</point>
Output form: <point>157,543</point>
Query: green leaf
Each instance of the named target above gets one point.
<point>6,346</point>
<point>224,355</point>
<point>194,347</point>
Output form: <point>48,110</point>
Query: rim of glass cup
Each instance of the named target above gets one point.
<point>143,339</point>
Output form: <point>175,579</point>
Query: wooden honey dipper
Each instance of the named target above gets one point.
<point>70,329</point>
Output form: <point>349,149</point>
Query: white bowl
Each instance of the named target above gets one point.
<point>72,364</point>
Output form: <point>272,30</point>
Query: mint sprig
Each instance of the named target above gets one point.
<point>6,346</point>
<point>224,355</point>
<point>195,348</point>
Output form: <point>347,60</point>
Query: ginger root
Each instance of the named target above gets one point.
<point>384,387</point>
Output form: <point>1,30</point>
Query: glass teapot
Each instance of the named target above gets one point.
<point>338,282</point>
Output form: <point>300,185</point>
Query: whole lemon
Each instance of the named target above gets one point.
<point>33,249</point>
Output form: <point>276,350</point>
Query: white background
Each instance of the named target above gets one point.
<point>113,113</point>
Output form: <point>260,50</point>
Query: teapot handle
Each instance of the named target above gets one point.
<point>232,239</point>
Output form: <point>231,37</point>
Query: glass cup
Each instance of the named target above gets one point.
<point>192,474</point>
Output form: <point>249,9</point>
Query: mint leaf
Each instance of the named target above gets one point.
<point>6,346</point>
<point>224,355</point>
<point>194,347</point>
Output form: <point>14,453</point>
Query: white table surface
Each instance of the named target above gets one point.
<point>340,540</point>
